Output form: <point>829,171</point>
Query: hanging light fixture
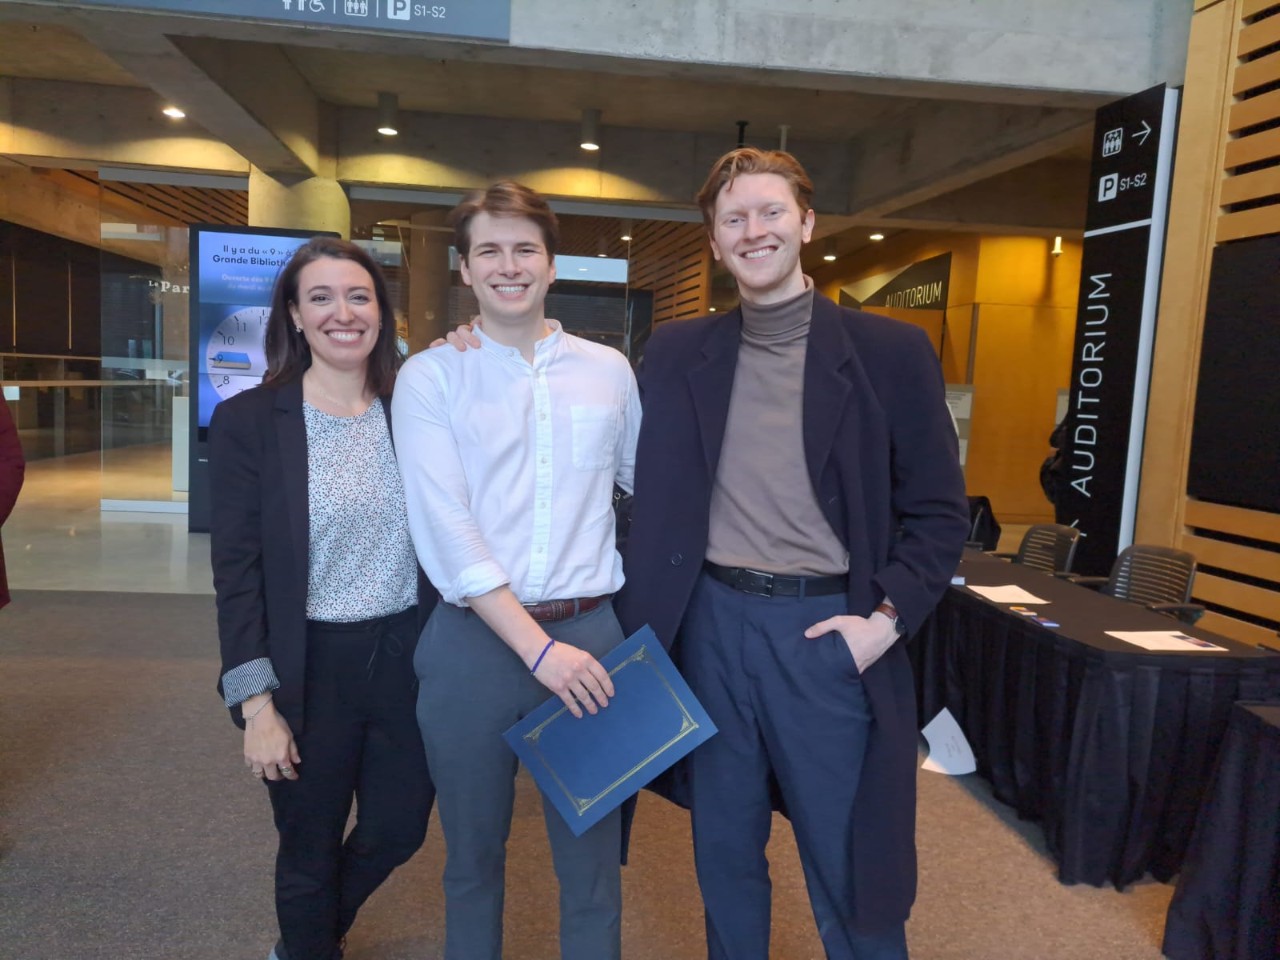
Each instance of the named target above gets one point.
<point>602,248</point>
<point>590,129</point>
<point>830,255</point>
<point>877,236</point>
<point>388,113</point>
<point>1057,247</point>
<point>626,231</point>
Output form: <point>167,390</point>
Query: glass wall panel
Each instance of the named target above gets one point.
<point>143,280</point>
<point>144,366</point>
<point>49,363</point>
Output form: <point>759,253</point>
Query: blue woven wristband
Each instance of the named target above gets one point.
<point>536,663</point>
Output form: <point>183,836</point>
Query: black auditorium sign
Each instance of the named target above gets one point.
<point>480,19</point>
<point>1115,322</point>
<point>917,286</point>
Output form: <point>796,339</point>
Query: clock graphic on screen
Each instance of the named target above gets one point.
<point>234,357</point>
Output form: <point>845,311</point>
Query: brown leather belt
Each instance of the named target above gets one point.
<point>550,610</point>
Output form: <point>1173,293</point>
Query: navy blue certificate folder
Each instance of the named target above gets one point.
<point>587,767</point>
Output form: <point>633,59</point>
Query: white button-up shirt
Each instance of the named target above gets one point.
<point>509,466</point>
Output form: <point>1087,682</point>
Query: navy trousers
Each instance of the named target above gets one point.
<point>791,712</point>
<point>361,741</point>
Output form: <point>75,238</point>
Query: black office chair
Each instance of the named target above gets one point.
<point>1050,547</point>
<point>1159,578</point>
<point>984,529</point>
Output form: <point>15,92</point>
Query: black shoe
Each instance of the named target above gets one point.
<point>278,951</point>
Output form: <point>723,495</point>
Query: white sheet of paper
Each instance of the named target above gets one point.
<point>949,751</point>
<point>1006,594</point>
<point>1163,640</point>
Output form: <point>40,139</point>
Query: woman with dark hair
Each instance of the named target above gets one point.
<point>318,595</point>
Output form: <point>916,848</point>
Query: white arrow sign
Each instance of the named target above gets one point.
<point>1141,135</point>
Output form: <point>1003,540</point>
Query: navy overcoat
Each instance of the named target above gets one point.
<point>882,456</point>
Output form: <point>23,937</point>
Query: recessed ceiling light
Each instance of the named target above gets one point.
<point>173,113</point>
<point>711,309</point>
<point>877,236</point>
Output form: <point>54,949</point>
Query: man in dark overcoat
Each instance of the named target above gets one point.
<point>799,510</point>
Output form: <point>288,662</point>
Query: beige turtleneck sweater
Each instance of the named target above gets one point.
<point>764,514</point>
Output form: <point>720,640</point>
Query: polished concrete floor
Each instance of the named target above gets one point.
<point>59,538</point>
<point>987,887</point>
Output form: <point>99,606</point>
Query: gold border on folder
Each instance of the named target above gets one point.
<point>687,726</point>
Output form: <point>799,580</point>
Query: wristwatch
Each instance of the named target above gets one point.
<point>890,611</point>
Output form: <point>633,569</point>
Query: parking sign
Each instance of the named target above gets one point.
<point>477,19</point>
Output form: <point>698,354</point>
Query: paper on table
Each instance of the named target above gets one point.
<point>949,751</point>
<point>1163,640</point>
<point>1009,593</point>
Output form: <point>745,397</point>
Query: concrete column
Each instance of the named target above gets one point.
<point>429,278</point>
<point>301,203</point>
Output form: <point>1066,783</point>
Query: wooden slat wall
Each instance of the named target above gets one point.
<point>1250,194</point>
<point>674,261</point>
<point>1234,55</point>
<point>580,236</point>
<point>166,205</point>
<point>671,259</point>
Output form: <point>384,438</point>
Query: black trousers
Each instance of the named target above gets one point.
<point>361,741</point>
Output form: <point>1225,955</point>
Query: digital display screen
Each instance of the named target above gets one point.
<point>231,292</point>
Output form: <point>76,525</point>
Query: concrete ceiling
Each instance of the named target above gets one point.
<point>682,100</point>
<point>505,91</point>
<point>40,51</point>
<point>516,92</point>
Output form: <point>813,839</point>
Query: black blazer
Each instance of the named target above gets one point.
<point>260,538</point>
<point>882,456</point>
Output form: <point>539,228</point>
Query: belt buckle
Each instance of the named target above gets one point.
<point>755,582</point>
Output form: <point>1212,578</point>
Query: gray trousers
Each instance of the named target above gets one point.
<point>472,688</point>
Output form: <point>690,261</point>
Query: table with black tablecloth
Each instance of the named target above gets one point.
<point>1227,905</point>
<point>1108,745</point>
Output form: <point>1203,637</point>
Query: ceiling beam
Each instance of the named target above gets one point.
<point>936,148</point>
<point>1045,197</point>
<point>248,95</point>
<point>84,125</point>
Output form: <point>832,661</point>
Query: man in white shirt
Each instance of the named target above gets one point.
<point>509,456</point>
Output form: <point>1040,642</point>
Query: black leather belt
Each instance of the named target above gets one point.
<point>763,584</point>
